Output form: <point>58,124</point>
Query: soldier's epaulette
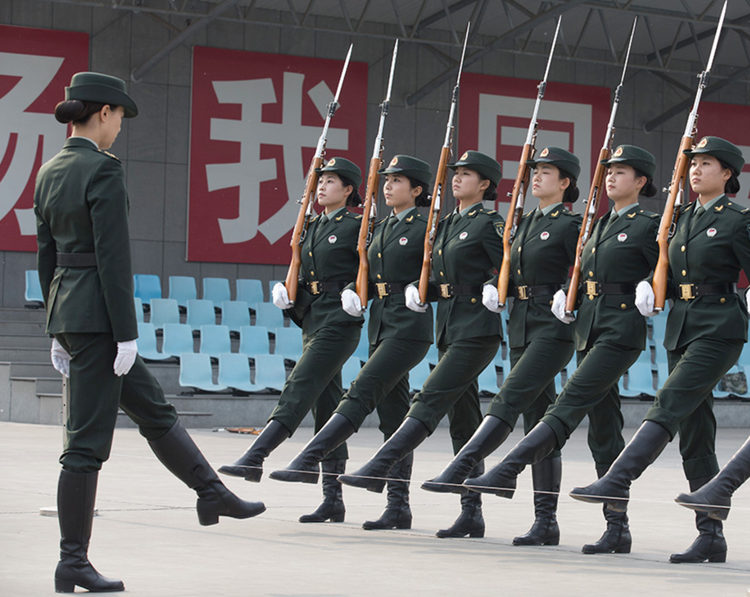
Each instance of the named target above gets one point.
<point>485,212</point>
<point>314,218</point>
<point>736,207</point>
<point>567,212</point>
<point>110,155</point>
<point>648,214</point>
<point>348,214</point>
<point>446,217</point>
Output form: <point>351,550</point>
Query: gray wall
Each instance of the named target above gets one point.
<point>154,146</point>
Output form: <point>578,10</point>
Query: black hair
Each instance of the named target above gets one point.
<point>572,193</point>
<point>649,189</point>
<point>424,198</point>
<point>77,111</point>
<point>731,186</point>
<point>490,193</point>
<point>354,199</point>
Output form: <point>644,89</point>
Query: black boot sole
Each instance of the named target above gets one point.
<point>295,476</point>
<point>249,473</point>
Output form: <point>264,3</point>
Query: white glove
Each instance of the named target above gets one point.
<point>558,306</point>
<point>60,358</point>
<point>411,297</point>
<point>281,297</point>
<point>126,353</point>
<point>747,296</point>
<point>350,303</point>
<point>644,298</point>
<point>490,298</point>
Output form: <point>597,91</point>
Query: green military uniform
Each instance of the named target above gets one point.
<point>81,206</point>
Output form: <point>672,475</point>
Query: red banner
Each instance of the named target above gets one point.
<point>255,123</point>
<point>35,67</point>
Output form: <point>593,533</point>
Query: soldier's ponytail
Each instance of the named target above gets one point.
<point>77,111</point>
<point>423,199</point>
<point>354,199</point>
<point>572,193</point>
<point>732,186</point>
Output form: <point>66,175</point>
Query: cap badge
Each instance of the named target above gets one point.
<point>545,152</point>
<point>618,152</point>
<point>464,156</point>
<point>622,237</point>
<point>711,232</point>
<point>403,240</point>
<point>331,162</point>
<point>703,142</point>
<point>394,161</point>
<point>332,239</point>
<point>544,235</point>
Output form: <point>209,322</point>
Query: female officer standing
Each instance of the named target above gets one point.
<point>81,206</point>
<point>610,334</point>
<point>399,338</point>
<point>467,249</point>
<point>540,346</point>
<point>330,336</point>
<point>706,330</point>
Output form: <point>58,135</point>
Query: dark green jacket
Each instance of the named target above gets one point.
<point>541,258</point>
<point>397,260</point>
<point>625,254</point>
<point>467,253</point>
<point>81,206</point>
<point>713,252</point>
<point>331,257</point>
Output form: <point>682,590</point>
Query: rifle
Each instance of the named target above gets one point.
<point>676,189</point>
<point>370,211</point>
<point>440,180</point>
<point>518,196</point>
<point>595,197</point>
<point>308,197</point>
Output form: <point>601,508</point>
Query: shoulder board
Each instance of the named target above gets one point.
<point>648,214</point>
<point>314,218</point>
<point>446,217</point>
<point>490,213</point>
<point>419,215</point>
<point>110,155</point>
<point>567,212</point>
<point>736,207</point>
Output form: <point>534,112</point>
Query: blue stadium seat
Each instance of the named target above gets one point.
<point>418,375</point>
<point>658,327</point>
<point>178,338</point>
<point>146,343</point>
<point>216,290</point>
<point>488,380</point>
<point>234,315</point>
<point>164,311</point>
<point>33,294</point>
<point>138,309</point>
<point>640,380</point>
<point>269,315</point>
<point>645,356</point>
<point>254,340</point>
<point>362,352</point>
<point>146,287</point>
<point>196,372</point>
<point>182,289</point>
<point>558,383</point>
<point>250,291</point>
<point>234,372</point>
<point>200,313</point>
<point>349,371</point>
<point>288,343</point>
<point>433,354</point>
<point>270,372</point>
<point>215,340</point>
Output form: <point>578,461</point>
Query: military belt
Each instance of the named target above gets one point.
<point>76,260</point>
<point>317,287</point>
<point>524,293</point>
<point>594,288</point>
<point>450,290</point>
<point>384,289</point>
<point>691,291</point>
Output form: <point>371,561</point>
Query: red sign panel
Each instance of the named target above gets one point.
<point>256,120</point>
<point>35,67</point>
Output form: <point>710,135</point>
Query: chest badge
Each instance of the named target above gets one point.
<point>332,239</point>
<point>403,240</point>
<point>544,235</point>
<point>622,237</point>
<point>711,232</point>
<point>463,235</point>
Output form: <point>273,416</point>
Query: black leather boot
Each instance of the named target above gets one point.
<point>76,496</point>
<point>710,545</point>
<point>616,537</point>
<point>715,497</point>
<point>501,479</point>
<point>250,464</point>
<point>613,488</point>
<point>546,475</point>
<point>177,451</point>
<point>397,513</point>
<point>332,508</point>
<point>304,468</point>
<point>372,475</point>
<point>486,439</point>
<point>470,522</point>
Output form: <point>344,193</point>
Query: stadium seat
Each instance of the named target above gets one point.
<point>33,294</point>
<point>270,372</point>
<point>182,289</point>
<point>215,340</point>
<point>640,380</point>
<point>234,372</point>
<point>254,340</point>
<point>269,315</point>
<point>146,343</point>
<point>200,313</point>
<point>250,291</point>
<point>138,309</point>
<point>146,287</point>
<point>418,375</point>
<point>349,371</point>
<point>234,315</point>
<point>164,311</point>
<point>658,327</point>
<point>362,352</point>
<point>196,372</point>
<point>288,343</point>
<point>178,338</point>
<point>216,290</point>
<point>488,380</point>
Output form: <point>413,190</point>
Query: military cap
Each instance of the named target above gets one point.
<point>343,167</point>
<point>635,157</point>
<point>481,163</point>
<point>722,150</point>
<point>409,166</point>
<point>105,89</point>
<point>557,156</point>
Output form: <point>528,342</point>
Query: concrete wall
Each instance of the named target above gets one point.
<point>154,146</point>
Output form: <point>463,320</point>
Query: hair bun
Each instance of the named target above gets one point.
<point>70,111</point>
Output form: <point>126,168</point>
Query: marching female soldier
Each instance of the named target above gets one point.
<point>706,330</point>
<point>543,250</point>
<point>467,250</point>
<point>399,338</point>
<point>610,334</point>
<point>81,206</point>
<point>330,336</point>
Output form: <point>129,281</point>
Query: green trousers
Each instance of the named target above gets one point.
<point>383,383</point>
<point>684,404</point>
<point>96,393</point>
<point>592,390</point>
<point>529,389</point>
<point>315,381</point>
<point>452,388</point>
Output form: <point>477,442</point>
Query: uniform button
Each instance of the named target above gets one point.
<point>519,249</point>
<point>309,253</point>
<point>379,255</point>
<point>519,272</point>
<point>440,251</point>
<point>593,249</point>
<point>591,274</point>
<point>591,297</point>
<point>682,248</point>
<point>722,300</point>
<point>623,306</point>
<point>473,300</point>
<point>312,273</point>
<point>442,274</point>
<point>379,276</point>
<point>551,303</point>
<point>684,273</point>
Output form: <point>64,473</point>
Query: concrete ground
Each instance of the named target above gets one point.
<point>147,533</point>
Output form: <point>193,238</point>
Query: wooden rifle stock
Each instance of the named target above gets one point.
<point>432,222</point>
<point>367,226</point>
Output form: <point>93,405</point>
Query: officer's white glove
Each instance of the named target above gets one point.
<point>126,353</point>
<point>644,299</point>
<point>411,298</point>
<point>281,297</point>
<point>490,298</point>
<point>747,296</point>
<point>558,306</point>
<point>350,303</point>
<point>60,358</point>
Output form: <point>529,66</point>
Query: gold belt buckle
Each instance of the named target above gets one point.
<point>381,288</point>
<point>522,292</point>
<point>445,290</point>
<point>591,289</point>
<point>686,292</point>
<point>315,287</point>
